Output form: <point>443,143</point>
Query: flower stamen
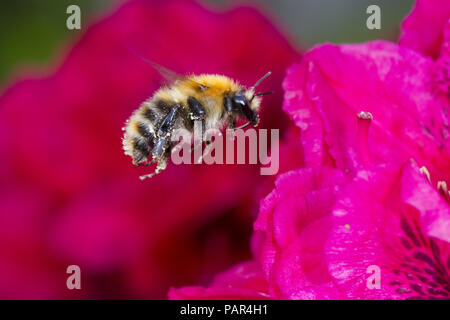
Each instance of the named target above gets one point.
<point>442,188</point>
<point>423,170</point>
<point>364,121</point>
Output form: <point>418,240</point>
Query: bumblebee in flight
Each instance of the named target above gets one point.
<point>215,100</point>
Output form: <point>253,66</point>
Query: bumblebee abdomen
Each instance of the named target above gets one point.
<point>140,131</point>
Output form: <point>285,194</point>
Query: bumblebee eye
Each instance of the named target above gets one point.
<point>241,104</point>
<point>239,101</point>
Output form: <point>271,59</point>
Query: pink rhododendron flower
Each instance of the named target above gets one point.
<point>322,239</point>
<point>398,222</point>
<point>389,215</point>
<point>325,231</point>
<point>423,29</point>
<point>70,196</point>
<point>332,84</point>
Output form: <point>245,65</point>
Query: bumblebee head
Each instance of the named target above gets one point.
<point>246,102</point>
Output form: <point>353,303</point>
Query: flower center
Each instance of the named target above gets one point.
<point>441,75</point>
<point>424,270</point>
<point>441,185</point>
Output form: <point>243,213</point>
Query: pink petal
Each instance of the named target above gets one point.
<point>434,210</point>
<point>300,271</point>
<point>373,227</point>
<point>294,217</point>
<point>422,29</point>
<point>441,79</point>
<point>332,84</point>
<point>244,281</point>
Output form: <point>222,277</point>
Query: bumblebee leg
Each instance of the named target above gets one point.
<point>196,110</point>
<point>231,118</point>
<point>165,129</point>
<point>162,164</point>
<point>160,155</point>
<point>208,142</point>
<point>197,113</point>
<point>160,151</point>
<point>145,164</point>
<point>196,147</point>
<point>231,122</point>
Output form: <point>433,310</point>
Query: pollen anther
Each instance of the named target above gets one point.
<point>424,170</point>
<point>365,115</point>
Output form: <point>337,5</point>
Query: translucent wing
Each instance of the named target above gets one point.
<point>169,75</point>
<point>172,76</point>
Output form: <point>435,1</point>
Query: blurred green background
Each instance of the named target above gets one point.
<point>33,31</point>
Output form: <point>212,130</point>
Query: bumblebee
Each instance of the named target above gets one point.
<point>215,100</point>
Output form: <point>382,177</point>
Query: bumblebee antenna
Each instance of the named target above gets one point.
<point>261,79</point>
<point>257,84</point>
<point>263,93</point>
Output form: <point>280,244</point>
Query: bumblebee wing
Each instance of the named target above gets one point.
<point>169,75</point>
<point>172,76</point>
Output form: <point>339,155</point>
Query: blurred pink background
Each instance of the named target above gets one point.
<point>68,194</point>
